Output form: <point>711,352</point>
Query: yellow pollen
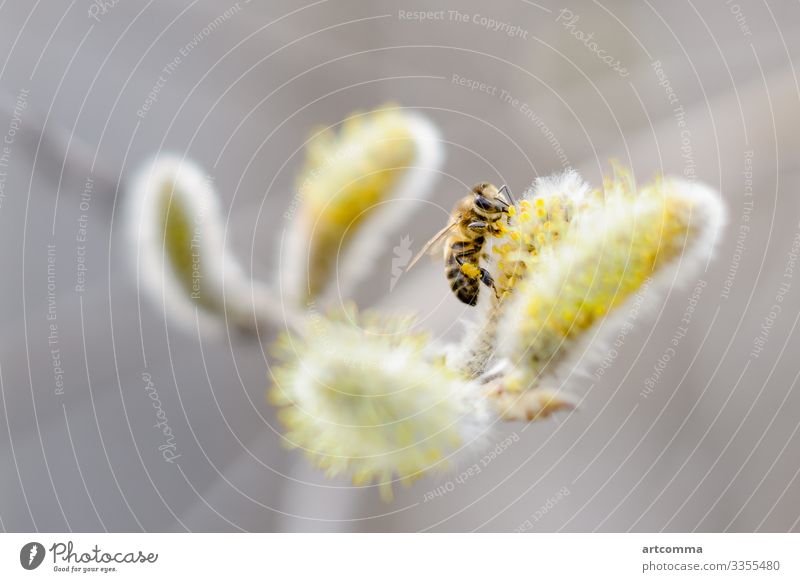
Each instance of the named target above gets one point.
<point>470,270</point>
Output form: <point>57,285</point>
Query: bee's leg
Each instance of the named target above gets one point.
<point>460,260</point>
<point>484,275</point>
<point>478,225</point>
<point>487,280</point>
<point>496,205</point>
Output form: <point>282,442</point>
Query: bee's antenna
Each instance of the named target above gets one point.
<point>508,193</point>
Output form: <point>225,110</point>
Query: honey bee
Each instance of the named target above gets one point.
<point>473,218</point>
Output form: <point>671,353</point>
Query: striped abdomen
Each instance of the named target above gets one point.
<point>460,252</point>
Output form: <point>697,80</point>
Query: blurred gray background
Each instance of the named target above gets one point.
<point>714,447</point>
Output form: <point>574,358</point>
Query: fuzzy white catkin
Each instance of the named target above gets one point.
<point>177,235</point>
<point>358,185</point>
<point>658,236</point>
<point>367,397</point>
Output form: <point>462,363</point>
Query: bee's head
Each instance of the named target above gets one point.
<point>486,190</point>
<point>488,199</point>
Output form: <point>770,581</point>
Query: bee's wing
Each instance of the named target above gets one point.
<point>433,244</point>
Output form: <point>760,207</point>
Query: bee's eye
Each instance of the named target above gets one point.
<point>483,203</point>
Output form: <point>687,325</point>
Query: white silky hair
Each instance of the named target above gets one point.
<point>243,301</point>
<point>371,238</point>
<point>573,372</point>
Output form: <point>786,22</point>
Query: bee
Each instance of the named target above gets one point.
<point>474,217</point>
